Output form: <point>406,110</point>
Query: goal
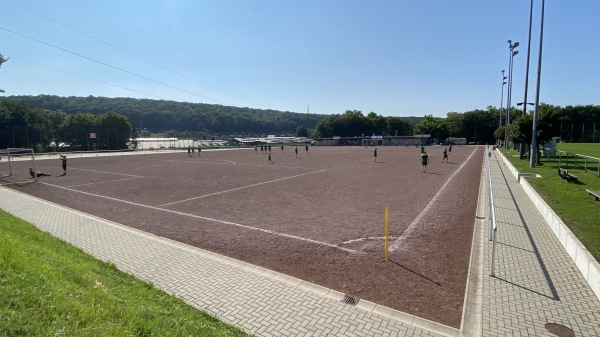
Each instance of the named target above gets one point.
<point>15,164</point>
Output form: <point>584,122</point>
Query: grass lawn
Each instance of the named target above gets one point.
<point>586,149</point>
<point>50,288</point>
<point>579,210</point>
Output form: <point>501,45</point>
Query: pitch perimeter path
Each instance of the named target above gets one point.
<point>537,287</point>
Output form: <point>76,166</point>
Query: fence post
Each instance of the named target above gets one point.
<point>585,164</point>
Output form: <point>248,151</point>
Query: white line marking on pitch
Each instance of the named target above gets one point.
<point>240,188</point>
<point>268,231</point>
<point>102,182</point>
<point>227,163</point>
<point>119,174</point>
<point>412,226</point>
<point>368,238</point>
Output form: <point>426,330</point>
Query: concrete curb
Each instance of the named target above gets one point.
<point>587,265</point>
<point>472,317</point>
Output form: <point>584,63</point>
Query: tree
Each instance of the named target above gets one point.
<point>198,118</point>
<point>479,125</point>
<point>499,133</point>
<point>77,129</point>
<point>379,123</point>
<point>455,124</point>
<point>351,124</point>
<point>519,131</point>
<point>398,126</point>
<point>117,129</point>
<point>300,131</point>
<point>433,126</point>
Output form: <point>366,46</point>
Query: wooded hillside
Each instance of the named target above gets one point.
<point>161,115</point>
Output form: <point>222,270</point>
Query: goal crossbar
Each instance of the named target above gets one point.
<point>13,156</point>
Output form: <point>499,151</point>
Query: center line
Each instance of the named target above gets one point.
<point>240,188</point>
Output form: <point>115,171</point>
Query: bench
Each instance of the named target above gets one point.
<point>564,174</point>
<point>595,193</point>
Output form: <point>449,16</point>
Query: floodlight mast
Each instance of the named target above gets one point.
<point>513,52</point>
<point>502,98</point>
<point>534,146</point>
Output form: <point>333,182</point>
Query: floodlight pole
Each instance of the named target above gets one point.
<point>522,147</point>
<point>513,52</point>
<point>533,154</point>
<point>501,99</point>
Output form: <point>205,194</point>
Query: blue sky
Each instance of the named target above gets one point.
<point>395,58</point>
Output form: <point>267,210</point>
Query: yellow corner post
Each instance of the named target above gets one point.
<point>386,232</point>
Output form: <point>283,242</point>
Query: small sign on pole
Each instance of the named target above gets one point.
<point>92,135</point>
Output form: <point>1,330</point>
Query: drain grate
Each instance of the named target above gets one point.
<point>351,299</point>
<point>559,330</point>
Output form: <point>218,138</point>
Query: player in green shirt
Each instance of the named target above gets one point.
<point>424,160</point>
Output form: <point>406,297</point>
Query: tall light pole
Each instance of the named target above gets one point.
<point>533,154</point>
<point>522,147</point>
<point>513,52</point>
<point>501,99</point>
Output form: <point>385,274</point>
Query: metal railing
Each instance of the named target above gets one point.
<point>586,163</point>
<point>493,225</point>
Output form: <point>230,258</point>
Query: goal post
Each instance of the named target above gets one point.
<point>15,164</point>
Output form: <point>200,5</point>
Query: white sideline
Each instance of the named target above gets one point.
<point>412,226</point>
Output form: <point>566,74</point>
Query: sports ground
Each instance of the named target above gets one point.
<point>319,217</point>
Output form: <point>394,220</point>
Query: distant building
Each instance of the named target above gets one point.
<point>272,139</point>
<point>374,140</point>
<point>456,141</point>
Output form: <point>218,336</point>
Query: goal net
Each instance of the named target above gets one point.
<point>15,164</point>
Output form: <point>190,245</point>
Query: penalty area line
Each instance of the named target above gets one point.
<point>267,231</point>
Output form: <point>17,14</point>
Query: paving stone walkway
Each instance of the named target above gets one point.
<point>536,282</point>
